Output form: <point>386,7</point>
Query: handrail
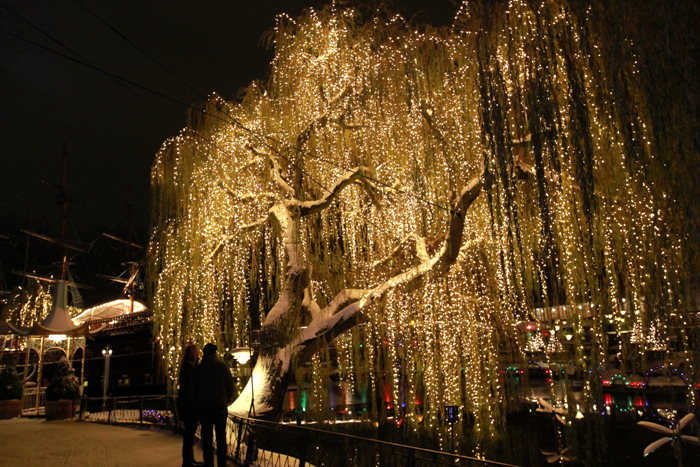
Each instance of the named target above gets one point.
<point>115,322</point>
<point>29,400</point>
<point>158,410</point>
<point>138,314</point>
<point>250,438</point>
<point>450,458</point>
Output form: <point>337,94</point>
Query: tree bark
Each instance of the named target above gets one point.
<point>263,395</point>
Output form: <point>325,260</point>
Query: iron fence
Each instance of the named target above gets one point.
<point>153,410</point>
<point>29,401</point>
<point>261,443</point>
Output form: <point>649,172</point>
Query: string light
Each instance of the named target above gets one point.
<point>565,218</point>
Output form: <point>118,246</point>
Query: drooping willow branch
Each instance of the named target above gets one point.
<point>332,321</point>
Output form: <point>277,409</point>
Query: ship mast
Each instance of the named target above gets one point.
<point>63,198</point>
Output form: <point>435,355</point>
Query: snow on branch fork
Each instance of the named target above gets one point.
<point>262,396</point>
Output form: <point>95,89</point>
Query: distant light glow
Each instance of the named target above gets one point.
<point>242,354</point>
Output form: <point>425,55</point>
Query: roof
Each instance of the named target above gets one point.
<point>109,310</point>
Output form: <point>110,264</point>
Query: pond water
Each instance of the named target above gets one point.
<point>606,436</point>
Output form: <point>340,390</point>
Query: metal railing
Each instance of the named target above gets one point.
<point>261,443</point>
<point>29,401</point>
<point>125,320</point>
<point>153,410</point>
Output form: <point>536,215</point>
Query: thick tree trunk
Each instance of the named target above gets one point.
<point>284,347</point>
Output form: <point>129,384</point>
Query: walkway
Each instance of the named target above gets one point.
<point>34,442</point>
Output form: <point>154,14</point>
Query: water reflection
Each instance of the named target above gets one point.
<point>616,399</point>
<point>563,430</point>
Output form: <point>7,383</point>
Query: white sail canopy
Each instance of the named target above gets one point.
<point>109,310</point>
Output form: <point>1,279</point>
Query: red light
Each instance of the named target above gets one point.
<point>606,383</point>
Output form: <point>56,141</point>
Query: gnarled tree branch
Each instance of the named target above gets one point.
<point>439,264</point>
<point>275,171</point>
<point>413,241</point>
<point>248,197</point>
<point>241,229</point>
<point>272,371</point>
<point>307,208</point>
<point>427,113</point>
<point>321,119</point>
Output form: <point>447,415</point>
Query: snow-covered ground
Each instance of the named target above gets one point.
<point>30,442</point>
<point>34,442</point>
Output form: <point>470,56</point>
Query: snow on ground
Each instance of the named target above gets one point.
<point>32,442</point>
<point>28,442</point>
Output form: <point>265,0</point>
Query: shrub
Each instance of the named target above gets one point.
<point>10,382</point>
<point>64,384</point>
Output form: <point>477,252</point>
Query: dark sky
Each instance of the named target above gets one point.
<point>111,134</point>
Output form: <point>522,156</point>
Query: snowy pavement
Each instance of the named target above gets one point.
<point>28,442</point>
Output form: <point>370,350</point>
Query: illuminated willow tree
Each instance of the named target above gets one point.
<point>28,305</point>
<point>410,194</point>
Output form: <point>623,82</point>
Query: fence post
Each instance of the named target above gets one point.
<point>411,458</point>
<point>236,455</point>
<point>141,410</point>
<point>251,452</point>
<point>304,443</point>
<point>171,407</point>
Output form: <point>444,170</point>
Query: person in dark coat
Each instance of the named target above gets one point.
<point>211,390</point>
<point>185,407</point>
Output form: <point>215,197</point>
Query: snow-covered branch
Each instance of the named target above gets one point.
<point>309,304</point>
<point>224,239</point>
<point>248,197</point>
<point>467,245</point>
<point>310,207</point>
<point>252,162</point>
<point>331,320</point>
<point>272,371</point>
<point>252,225</point>
<point>413,241</point>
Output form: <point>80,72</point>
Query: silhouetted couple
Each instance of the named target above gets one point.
<point>206,390</point>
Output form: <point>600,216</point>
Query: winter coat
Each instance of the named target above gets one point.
<point>211,387</point>
<point>185,407</point>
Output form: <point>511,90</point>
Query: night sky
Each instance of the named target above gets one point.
<point>111,133</point>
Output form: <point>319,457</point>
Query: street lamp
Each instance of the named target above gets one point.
<point>242,354</point>
<point>107,353</point>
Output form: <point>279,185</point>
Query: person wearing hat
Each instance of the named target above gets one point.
<point>211,391</point>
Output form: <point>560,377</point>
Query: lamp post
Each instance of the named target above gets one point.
<point>107,353</point>
<point>244,355</point>
<point>451,416</point>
